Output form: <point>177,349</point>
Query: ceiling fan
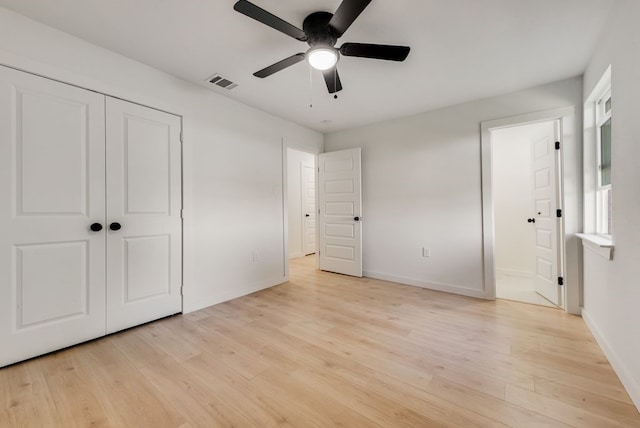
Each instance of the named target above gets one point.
<point>321,30</point>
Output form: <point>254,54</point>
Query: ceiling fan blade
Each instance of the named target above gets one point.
<point>280,65</point>
<point>261,15</point>
<point>332,79</point>
<point>367,50</point>
<point>347,12</point>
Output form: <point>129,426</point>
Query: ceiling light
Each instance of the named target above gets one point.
<point>322,58</point>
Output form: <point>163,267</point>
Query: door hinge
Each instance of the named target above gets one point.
<point>181,213</point>
<point>557,145</point>
<point>558,213</point>
<point>560,280</point>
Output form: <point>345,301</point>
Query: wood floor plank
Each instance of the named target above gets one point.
<point>506,412</point>
<point>405,372</point>
<point>27,400</point>
<point>590,401</point>
<point>261,407</point>
<point>206,404</point>
<point>319,407</point>
<point>328,350</point>
<point>363,400</point>
<point>246,361</point>
<point>353,372</point>
<point>175,345</point>
<point>558,409</point>
<point>422,357</point>
<point>129,393</point>
<point>77,395</point>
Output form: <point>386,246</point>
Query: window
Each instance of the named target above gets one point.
<point>603,187</point>
<point>598,169</point>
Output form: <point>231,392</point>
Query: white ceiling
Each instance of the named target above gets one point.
<point>461,50</point>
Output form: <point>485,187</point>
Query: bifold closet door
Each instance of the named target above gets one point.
<point>144,253</point>
<point>52,189</point>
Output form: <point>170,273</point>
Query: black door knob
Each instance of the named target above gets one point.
<point>306,215</point>
<point>95,227</point>
<point>115,226</point>
<point>531,220</point>
<point>356,218</point>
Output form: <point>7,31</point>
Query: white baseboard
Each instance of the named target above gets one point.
<point>193,304</point>
<point>448,288</point>
<point>627,379</point>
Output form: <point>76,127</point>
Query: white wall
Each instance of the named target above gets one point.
<point>612,288</point>
<point>232,156</point>
<point>296,160</point>
<point>421,188</point>
<point>513,197</point>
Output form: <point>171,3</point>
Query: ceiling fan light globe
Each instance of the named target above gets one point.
<point>322,58</point>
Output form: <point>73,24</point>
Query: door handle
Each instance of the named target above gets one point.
<point>356,218</point>
<point>95,227</point>
<point>531,220</point>
<point>115,226</point>
<point>306,215</point>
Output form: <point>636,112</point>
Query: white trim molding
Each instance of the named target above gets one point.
<point>435,286</point>
<point>626,376</point>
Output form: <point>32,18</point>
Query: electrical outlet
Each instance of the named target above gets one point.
<point>426,252</point>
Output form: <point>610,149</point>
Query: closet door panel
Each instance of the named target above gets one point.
<point>52,188</point>
<point>144,260</point>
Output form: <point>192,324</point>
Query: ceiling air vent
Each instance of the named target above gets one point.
<point>222,82</point>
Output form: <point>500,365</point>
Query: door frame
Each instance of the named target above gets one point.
<point>288,196</point>
<point>568,225</point>
<point>303,184</point>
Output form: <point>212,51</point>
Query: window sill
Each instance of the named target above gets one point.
<point>598,244</point>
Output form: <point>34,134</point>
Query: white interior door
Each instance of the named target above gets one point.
<point>309,202</point>
<point>546,202</point>
<point>144,272</point>
<point>340,200</point>
<point>52,266</point>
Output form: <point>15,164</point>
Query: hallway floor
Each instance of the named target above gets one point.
<point>519,289</point>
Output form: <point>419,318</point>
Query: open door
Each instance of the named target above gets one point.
<point>340,212</point>
<point>546,195</point>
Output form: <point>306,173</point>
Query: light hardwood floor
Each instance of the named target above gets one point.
<point>327,350</point>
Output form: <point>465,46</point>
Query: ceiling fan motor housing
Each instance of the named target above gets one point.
<point>316,27</point>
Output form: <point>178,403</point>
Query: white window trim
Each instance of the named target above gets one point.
<point>602,217</point>
<point>600,243</point>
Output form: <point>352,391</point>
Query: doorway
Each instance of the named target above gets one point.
<point>526,261</point>
<point>553,168</point>
<point>301,203</point>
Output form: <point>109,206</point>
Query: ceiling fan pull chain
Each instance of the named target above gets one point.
<point>335,83</point>
<point>310,87</point>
